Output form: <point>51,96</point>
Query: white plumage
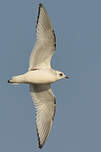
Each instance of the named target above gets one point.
<point>40,75</point>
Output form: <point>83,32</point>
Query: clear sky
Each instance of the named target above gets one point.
<point>77,124</point>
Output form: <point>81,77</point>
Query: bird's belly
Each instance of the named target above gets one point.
<point>39,77</point>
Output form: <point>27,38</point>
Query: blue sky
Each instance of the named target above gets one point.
<point>77,124</point>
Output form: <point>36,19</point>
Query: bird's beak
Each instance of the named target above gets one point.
<point>67,77</point>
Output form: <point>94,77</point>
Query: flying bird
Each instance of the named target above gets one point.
<point>40,75</point>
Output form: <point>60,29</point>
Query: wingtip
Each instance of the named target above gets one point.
<point>39,143</point>
<point>40,146</point>
<point>40,5</point>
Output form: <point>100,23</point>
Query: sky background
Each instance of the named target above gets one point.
<point>77,124</point>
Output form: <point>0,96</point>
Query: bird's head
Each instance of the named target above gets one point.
<point>61,75</point>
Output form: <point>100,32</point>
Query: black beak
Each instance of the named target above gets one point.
<point>66,77</point>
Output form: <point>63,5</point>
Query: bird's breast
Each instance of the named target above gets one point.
<point>40,76</point>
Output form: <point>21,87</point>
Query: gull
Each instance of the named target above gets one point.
<point>40,75</point>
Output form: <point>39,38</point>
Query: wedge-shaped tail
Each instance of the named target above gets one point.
<point>17,79</point>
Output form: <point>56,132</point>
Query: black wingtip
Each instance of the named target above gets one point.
<point>40,146</point>
<point>40,5</point>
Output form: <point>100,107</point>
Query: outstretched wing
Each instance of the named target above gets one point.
<point>45,103</point>
<point>45,41</point>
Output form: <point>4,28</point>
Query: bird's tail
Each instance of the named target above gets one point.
<point>17,79</point>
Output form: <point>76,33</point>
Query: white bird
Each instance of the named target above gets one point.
<point>40,75</point>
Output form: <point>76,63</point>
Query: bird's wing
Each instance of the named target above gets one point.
<point>45,104</point>
<point>45,45</point>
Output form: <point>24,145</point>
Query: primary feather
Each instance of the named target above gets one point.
<point>45,103</point>
<point>45,41</point>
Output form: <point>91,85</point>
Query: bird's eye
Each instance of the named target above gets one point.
<point>61,74</point>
